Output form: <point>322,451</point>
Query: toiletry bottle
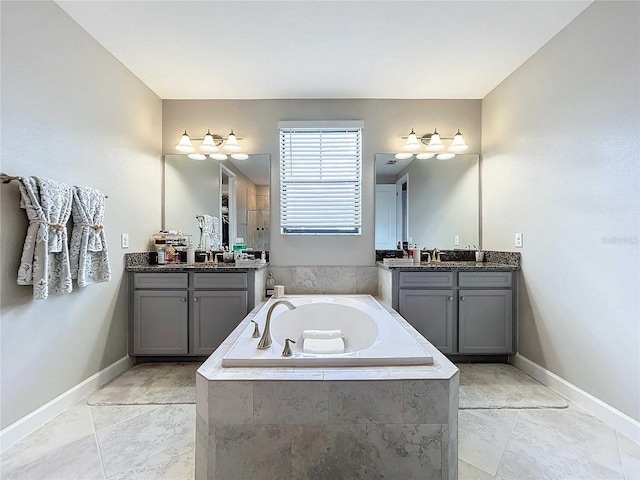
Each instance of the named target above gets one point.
<point>270,284</point>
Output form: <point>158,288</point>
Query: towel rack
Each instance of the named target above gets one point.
<point>6,178</point>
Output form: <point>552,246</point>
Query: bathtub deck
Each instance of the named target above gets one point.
<point>335,422</point>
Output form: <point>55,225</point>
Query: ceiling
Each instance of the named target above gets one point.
<point>323,49</point>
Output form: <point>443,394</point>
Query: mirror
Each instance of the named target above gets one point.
<point>234,191</point>
<point>427,202</point>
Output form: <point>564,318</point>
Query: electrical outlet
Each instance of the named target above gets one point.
<point>518,240</point>
<point>124,240</point>
<point>456,240</point>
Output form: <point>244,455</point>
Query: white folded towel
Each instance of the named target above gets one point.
<point>322,334</point>
<point>323,345</point>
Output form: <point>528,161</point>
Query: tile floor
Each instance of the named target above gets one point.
<point>157,442</point>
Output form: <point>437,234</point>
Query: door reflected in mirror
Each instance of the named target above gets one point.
<point>235,192</point>
<point>427,202</point>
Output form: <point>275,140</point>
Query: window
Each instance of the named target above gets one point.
<point>320,177</point>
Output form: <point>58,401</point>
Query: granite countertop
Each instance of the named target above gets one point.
<point>197,267</point>
<point>447,266</point>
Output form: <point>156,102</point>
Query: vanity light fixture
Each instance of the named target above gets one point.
<point>434,146</point>
<point>209,146</point>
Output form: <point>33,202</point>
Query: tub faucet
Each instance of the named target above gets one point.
<point>265,341</point>
<point>435,255</point>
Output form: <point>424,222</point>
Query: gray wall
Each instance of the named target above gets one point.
<point>73,113</point>
<point>560,164</point>
<point>385,121</point>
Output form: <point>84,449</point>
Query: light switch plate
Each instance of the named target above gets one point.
<point>456,240</point>
<point>518,240</point>
<point>124,240</point>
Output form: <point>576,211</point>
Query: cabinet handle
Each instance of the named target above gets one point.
<point>195,299</point>
<point>462,298</point>
<point>450,298</point>
<point>183,299</point>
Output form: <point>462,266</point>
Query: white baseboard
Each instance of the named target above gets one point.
<point>605,412</point>
<point>34,420</point>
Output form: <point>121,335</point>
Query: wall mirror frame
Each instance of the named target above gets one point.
<point>427,202</point>
<point>235,191</point>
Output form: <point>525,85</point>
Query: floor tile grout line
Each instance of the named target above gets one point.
<point>513,427</point>
<point>95,438</point>
<point>126,419</point>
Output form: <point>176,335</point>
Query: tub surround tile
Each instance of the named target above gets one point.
<point>367,280</point>
<point>339,280</point>
<point>237,398</point>
<point>258,452</point>
<point>630,455</point>
<point>560,444</point>
<point>307,280</point>
<point>365,402</point>
<point>175,462</point>
<point>384,286</point>
<point>322,452</point>
<point>287,403</point>
<point>404,451</point>
<point>129,444</point>
<point>483,437</point>
<point>79,459</point>
<point>426,402</point>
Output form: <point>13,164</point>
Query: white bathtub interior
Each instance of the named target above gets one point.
<point>371,335</point>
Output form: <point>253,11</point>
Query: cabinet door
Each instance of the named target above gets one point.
<point>485,322</point>
<point>431,313</point>
<point>160,322</point>
<point>215,315</point>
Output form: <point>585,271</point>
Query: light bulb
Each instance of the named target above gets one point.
<point>239,156</point>
<point>232,143</point>
<point>458,144</point>
<point>197,156</point>
<point>403,155</point>
<point>218,156</point>
<point>425,156</point>
<point>412,143</point>
<point>208,144</point>
<point>184,145</point>
<point>435,144</point>
<point>445,156</point>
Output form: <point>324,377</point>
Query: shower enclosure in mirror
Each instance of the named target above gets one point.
<point>427,202</point>
<point>235,192</point>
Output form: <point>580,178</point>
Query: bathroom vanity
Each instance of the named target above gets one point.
<point>465,309</point>
<point>188,310</point>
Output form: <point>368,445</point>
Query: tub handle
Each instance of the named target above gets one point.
<point>256,330</point>
<point>287,349</point>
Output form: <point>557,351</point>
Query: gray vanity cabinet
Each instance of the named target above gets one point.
<point>215,315</point>
<point>460,312</point>
<point>485,322</point>
<point>186,313</point>
<point>160,322</point>
<point>431,313</point>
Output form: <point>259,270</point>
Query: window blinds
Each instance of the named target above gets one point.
<point>320,180</point>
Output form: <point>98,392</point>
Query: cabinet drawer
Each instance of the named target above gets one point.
<point>425,279</point>
<point>222,281</point>
<point>160,280</point>
<point>484,279</point>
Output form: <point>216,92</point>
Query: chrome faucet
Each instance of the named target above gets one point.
<point>435,255</point>
<point>265,341</point>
